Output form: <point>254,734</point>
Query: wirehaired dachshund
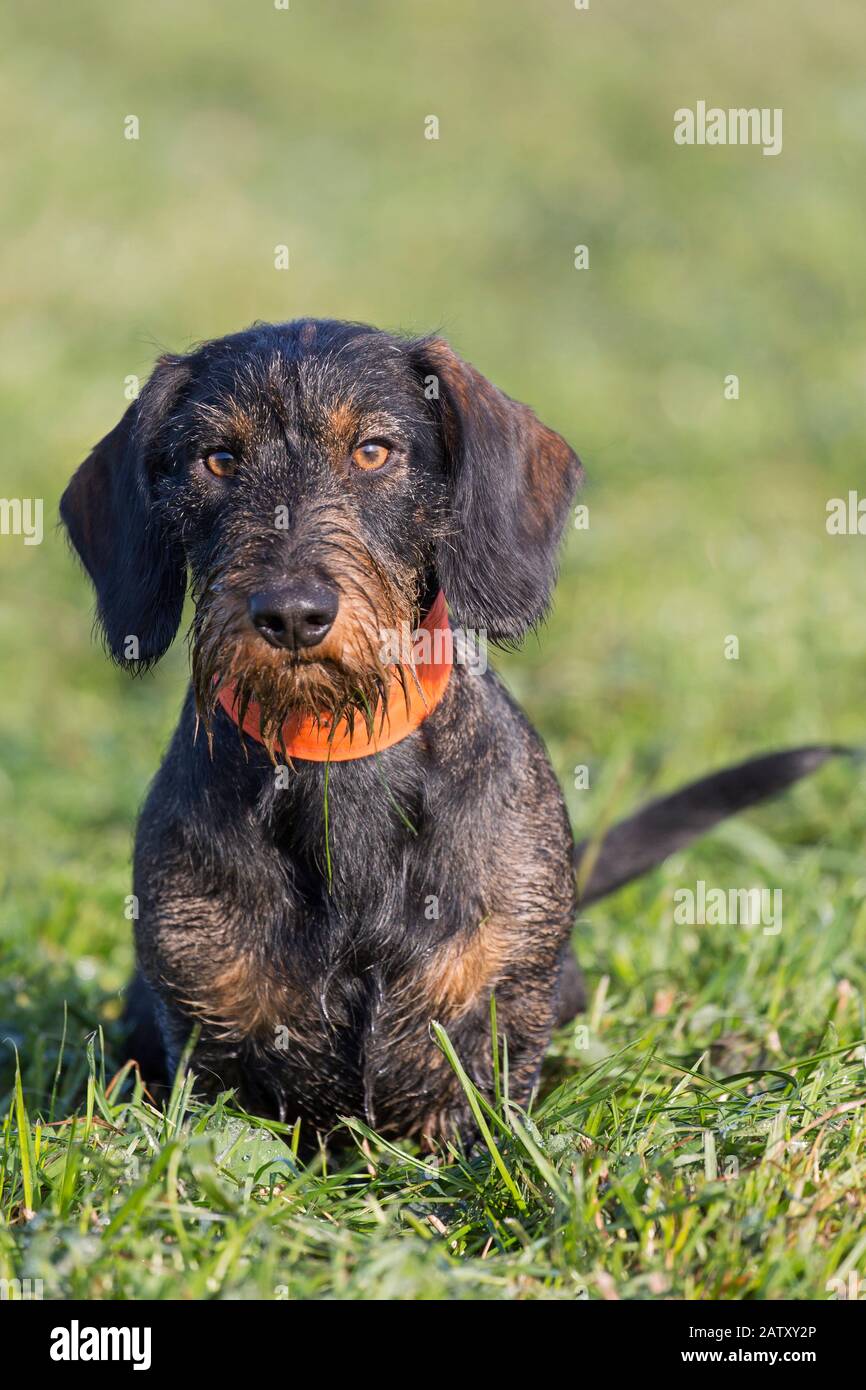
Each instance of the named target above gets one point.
<point>355,830</point>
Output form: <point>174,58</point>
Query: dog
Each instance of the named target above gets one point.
<point>341,847</point>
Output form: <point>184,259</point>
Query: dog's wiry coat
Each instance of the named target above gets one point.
<point>314,958</point>
<point>316,998</point>
<point>312,927</point>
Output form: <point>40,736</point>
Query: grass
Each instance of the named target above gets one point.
<point>700,1134</point>
<point>642,1177</point>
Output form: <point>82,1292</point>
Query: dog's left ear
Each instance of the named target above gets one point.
<point>109,510</point>
<point>511,481</point>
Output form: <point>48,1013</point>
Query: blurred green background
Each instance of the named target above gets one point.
<point>261,127</point>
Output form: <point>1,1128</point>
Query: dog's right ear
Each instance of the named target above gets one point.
<point>115,525</point>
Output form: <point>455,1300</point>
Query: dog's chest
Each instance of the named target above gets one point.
<point>351,1038</point>
<point>334,1019</point>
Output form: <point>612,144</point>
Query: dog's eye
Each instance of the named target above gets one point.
<point>371,455</point>
<point>221,463</point>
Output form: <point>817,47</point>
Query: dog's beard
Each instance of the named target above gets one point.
<point>345,677</point>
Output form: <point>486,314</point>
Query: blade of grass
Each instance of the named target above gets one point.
<point>471,1094</point>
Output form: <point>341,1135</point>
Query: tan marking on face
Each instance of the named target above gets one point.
<point>227,423</point>
<point>342,424</point>
<point>307,336</point>
<point>318,681</point>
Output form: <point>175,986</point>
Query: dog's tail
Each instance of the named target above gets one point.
<point>663,826</point>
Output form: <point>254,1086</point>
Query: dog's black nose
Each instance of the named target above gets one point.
<point>300,614</point>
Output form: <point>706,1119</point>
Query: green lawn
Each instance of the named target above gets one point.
<point>701,1134</point>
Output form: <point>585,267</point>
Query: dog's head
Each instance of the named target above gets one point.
<point>320,481</point>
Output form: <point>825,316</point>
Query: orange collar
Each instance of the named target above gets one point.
<point>306,738</point>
